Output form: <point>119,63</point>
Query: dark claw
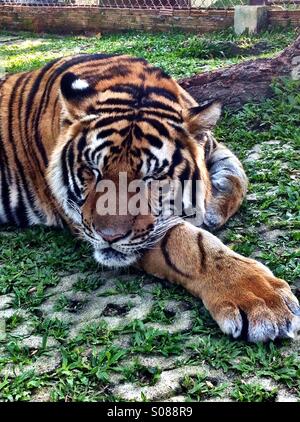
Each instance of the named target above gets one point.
<point>244,333</point>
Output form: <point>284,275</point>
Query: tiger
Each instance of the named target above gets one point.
<point>84,119</point>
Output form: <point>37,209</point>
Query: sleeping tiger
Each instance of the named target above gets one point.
<point>85,119</point>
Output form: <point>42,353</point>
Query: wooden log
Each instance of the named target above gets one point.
<point>249,81</point>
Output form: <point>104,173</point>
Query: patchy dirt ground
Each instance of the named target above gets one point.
<point>70,331</point>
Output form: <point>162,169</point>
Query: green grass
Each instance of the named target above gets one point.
<point>180,54</point>
<point>52,328</point>
<point>140,374</point>
<point>88,283</point>
<point>148,340</point>
<point>252,393</point>
<point>200,387</point>
<point>32,261</point>
<point>160,314</point>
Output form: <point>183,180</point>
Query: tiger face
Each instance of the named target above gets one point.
<point>128,125</point>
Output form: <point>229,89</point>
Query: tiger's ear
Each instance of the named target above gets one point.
<point>74,90</point>
<point>202,117</point>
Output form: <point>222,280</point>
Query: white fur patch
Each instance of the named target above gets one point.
<point>89,118</point>
<point>80,84</point>
<point>112,262</point>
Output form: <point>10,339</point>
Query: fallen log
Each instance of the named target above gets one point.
<point>249,81</point>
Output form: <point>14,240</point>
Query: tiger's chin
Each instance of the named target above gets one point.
<point>109,257</point>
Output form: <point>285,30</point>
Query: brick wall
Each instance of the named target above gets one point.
<point>78,20</point>
<point>83,19</point>
<point>284,17</point>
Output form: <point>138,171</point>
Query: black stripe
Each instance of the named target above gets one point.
<point>5,175</point>
<point>89,68</point>
<point>202,252</point>
<point>30,107</point>
<point>115,150</point>
<point>65,171</point>
<point>135,60</point>
<point>12,97</point>
<point>135,152</point>
<point>124,131</point>
<point>164,248</point>
<point>117,102</point>
<point>149,103</point>
<point>127,141</point>
<point>113,72</point>
<point>161,129</point>
<point>162,92</point>
<point>20,174</point>
<point>159,73</point>
<point>71,164</point>
<point>132,89</point>
<point>153,140</point>
<point>180,130</point>
<point>100,148</point>
<point>27,147</point>
<point>185,174</point>
<point>105,133</point>
<point>194,111</point>
<point>195,178</point>
<point>21,210</point>
<point>64,160</point>
<point>177,159</point>
<point>245,326</point>
<point>66,122</point>
<point>4,164</point>
<point>138,133</point>
<point>113,119</point>
<point>81,144</point>
<point>161,115</point>
<point>68,169</point>
<point>112,109</point>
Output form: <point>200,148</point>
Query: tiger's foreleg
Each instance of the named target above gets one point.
<point>228,185</point>
<point>240,293</point>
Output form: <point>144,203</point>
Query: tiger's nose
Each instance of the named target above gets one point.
<point>110,235</point>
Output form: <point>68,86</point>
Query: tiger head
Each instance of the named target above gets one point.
<point>129,119</point>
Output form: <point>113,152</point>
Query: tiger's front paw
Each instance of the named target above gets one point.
<point>257,306</point>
